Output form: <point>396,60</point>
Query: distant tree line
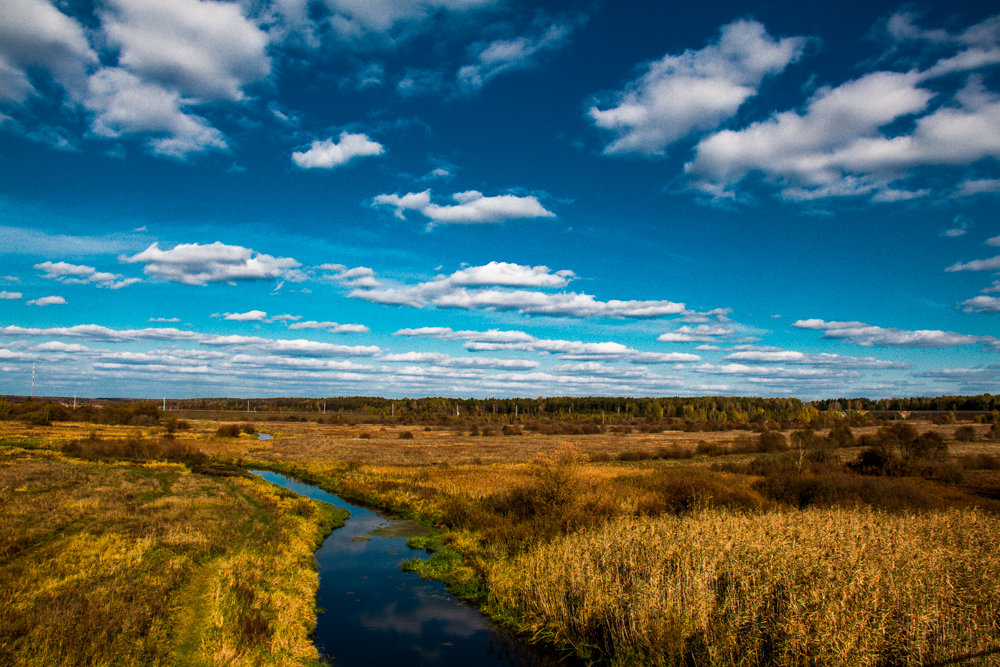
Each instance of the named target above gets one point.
<point>554,414</point>
<point>43,412</point>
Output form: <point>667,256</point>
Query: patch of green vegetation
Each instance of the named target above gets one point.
<point>447,564</point>
<point>403,528</point>
<point>429,543</point>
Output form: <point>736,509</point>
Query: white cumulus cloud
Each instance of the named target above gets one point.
<point>35,34</point>
<point>124,104</point>
<point>328,154</point>
<point>867,137</point>
<point>80,274</point>
<point>470,208</point>
<point>485,287</point>
<point>48,301</point>
<point>696,90</point>
<point>196,264</point>
<point>981,304</point>
<point>203,49</point>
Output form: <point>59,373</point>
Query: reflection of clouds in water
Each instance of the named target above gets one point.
<point>459,621</point>
<point>511,651</point>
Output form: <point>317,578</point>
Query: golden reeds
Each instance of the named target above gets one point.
<point>815,586</point>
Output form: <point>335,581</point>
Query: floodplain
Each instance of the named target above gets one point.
<point>859,541</point>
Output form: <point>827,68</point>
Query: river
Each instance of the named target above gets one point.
<point>374,613</point>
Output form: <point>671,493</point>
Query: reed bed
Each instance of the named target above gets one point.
<point>815,586</point>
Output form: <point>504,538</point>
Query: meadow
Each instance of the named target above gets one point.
<point>145,562</point>
<point>868,544</point>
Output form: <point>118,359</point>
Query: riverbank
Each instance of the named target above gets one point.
<point>149,563</point>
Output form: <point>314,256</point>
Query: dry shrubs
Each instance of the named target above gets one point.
<point>831,586</point>
<point>164,449</point>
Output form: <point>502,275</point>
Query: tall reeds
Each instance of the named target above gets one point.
<point>816,586</point>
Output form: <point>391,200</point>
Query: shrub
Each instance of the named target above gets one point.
<point>228,431</point>
<point>965,433</point>
<point>709,449</point>
<point>929,445</point>
<point>980,462</point>
<point>743,443</point>
<point>771,441</point>
<point>248,428</point>
<point>841,436</point>
<point>406,435</point>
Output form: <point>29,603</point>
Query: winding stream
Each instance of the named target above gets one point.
<point>375,613</point>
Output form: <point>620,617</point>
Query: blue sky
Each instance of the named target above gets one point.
<point>494,198</point>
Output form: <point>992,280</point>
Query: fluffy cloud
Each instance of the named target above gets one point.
<point>471,207</point>
<point>195,264</point>
<point>702,333</point>
<point>358,276</point>
<point>34,34</point>
<point>981,304</point>
<point>203,49</point>
<point>453,291</point>
<point>159,61</point>
<point>80,274</point>
<point>696,90</point>
<point>494,340</point>
<point>10,295</point>
<point>841,144</point>
<point>249,316</point>
<point>867,335</point>
<point>511,275</point>
<point>48,301</point>
<point>124,104</point>
<point>326,154</point>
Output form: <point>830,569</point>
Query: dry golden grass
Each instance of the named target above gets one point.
<point>820,586</point>
<point>112,564</point>
<point>736,581</point>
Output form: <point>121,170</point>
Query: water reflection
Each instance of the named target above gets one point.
<point>374,613</point>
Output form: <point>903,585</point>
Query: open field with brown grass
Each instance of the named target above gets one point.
<point>751,565</point>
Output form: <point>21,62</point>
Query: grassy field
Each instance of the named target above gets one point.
<point>111,563</point>
<point>625,547</point>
